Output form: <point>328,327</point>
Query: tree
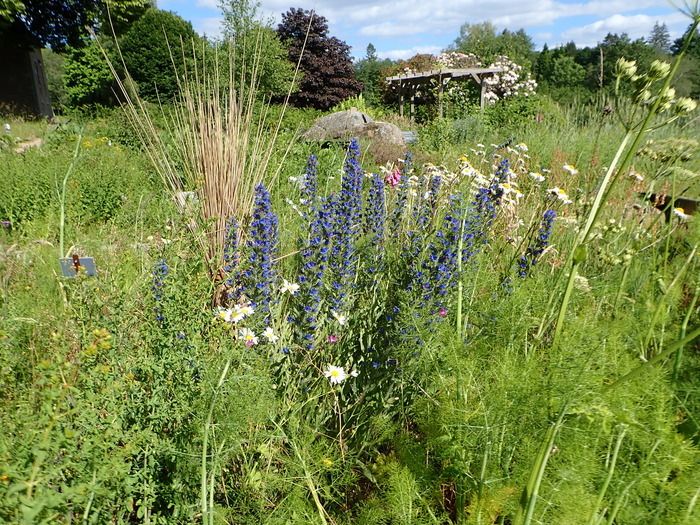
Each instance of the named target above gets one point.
<point>255,41</point>
<point>566,72</point>
<point>369,72</point>
<point>87,78</point>
<point>660,39</point>
<point>328,74</point>
<point>153,54</point>
<point>483,41</point>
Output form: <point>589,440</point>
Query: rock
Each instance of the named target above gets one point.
<point>383,132</point>
<point>343,125</point>
<point>339,125</point>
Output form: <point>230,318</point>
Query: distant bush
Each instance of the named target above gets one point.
<point>152,50</point>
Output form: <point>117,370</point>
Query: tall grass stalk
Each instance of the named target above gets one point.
<point>207,510</point>
<point>613,174</point>
<point>214,143</point>
<point>658,357</point>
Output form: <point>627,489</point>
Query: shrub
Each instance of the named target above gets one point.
<point>153,52</point>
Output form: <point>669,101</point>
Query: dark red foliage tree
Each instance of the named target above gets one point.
<point>328,73</point>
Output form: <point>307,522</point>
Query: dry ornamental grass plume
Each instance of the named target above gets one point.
<point>214,142</point>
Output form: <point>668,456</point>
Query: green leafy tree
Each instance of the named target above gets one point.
<point>328,73</point>
<point>254,41</point>
<point>153,54</point>
<point>87,79</point>
<point>485,42</point>
<point>566,72</point>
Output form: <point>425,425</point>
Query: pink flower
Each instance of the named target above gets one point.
<point>393,178</point>
<point>332,339</point>
<point>442,312</point>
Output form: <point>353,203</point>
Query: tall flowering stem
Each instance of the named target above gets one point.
<point>375,210</point>
<point>346,225</point>
<point>159,273</point>
<point>262,247</point>
<point>402,194</point>
<point>534,250</point>
<point>314,262</point>
<point>623,158</point>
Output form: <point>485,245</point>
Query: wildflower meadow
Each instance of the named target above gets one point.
<point>499,325</point>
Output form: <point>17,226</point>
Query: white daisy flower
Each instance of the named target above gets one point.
<point>342,319</point>
<point>560,194</point>
<point>248,337</point>
<point>335,374</point>
<point>571,170</point>
<point>681,214</point>
<point>224,314</point>
<point>537,177</point>
<point>244,310</point>
<point>270,335</point>
<point>292,288</point>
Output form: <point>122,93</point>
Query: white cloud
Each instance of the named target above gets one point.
<point>210,26</point>
<point>399,54</point>
<point>635,26</point>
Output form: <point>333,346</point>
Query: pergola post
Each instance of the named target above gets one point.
<point>440,95</point>
<point>401,99</point>
<point>413,103</point>
<point>482,97</point>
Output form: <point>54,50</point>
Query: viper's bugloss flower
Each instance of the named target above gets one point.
<point>262,248</point>
<point>375,212</point>
<point>314,262</point>
<point>347,211</point>
<point>535,249</point>
<point>160,272</point>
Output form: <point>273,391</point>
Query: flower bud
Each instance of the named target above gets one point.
<point>659,69</point>
<point>686,105</point>
<point>625,68</point>
<point>643,96</point>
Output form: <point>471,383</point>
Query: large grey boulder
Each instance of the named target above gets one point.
<point>353,123</point>
<point>339,125</point>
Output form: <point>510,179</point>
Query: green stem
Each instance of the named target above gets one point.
<point>608,478</point>
<point>206,516</point>
<point>662,301</point>
<point>684,329</point>
<point>460,285</point>
<point>621,289</point>
<point>528,500</point>
<point>62,195</point>
<point>658,357</point>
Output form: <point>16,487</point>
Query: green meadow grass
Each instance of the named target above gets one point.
<point>105,411</point>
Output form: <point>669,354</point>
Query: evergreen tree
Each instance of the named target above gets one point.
<point>369,72</point>
<point>328,73</point>
<point>660,39</point>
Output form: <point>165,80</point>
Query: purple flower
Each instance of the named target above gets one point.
<point>535,249</point>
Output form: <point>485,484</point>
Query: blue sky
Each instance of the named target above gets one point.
<point>402,28</point>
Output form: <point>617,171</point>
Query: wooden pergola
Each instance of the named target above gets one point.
<point>409,83</point>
